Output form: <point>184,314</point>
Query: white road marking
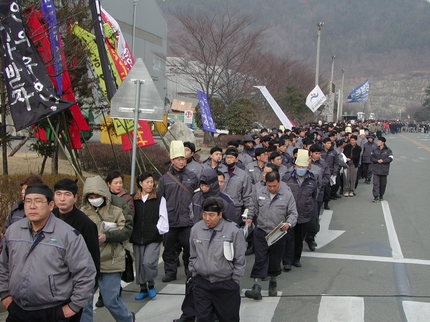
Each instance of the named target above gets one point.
<point>341,309</point>
<point>164,307</point>
<point>416,311</point>
<point>367,258</point>
<point>326,236</point>
<point>264,310</point>
<point>396,250</point>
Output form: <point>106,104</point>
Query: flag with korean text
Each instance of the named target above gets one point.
<point>32,96</point>
<point>205,113</point>
<point>360,93</point>
<point>144,137</point>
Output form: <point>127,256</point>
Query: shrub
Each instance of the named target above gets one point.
<point>11,195</point>
<point>106,161</point>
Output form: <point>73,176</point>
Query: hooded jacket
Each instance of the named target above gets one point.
<point>113,210</point>
<point>210,177</point>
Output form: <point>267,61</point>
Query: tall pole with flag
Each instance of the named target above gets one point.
<point>107,74</point>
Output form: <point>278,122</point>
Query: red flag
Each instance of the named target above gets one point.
<point>144,137</point>
<point>39,36</point>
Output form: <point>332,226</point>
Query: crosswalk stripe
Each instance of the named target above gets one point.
<point>165,306</point>
<point>264,310</point>
<point>416,311</point>
<point>341,309</point>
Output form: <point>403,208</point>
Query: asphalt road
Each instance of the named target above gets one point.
<point>372,262</point>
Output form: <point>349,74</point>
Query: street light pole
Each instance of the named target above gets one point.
<point>340,102</point>
<point>331,96</point>
<point>317,68</point>
<point>133,37</point>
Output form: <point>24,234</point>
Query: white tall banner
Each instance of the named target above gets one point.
<point>275,107</point>
<point>315,99</point>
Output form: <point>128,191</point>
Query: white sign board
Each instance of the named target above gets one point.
<point>123,103</point>
<point>188,117</point>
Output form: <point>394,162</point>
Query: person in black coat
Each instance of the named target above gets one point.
<point>65,196</point>
<point>352,152</point>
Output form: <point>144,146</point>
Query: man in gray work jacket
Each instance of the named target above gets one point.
<point>217,261</point>
<point>271,204</point>
<point>46,271</point>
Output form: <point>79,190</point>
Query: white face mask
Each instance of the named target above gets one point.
<point>96,202</point>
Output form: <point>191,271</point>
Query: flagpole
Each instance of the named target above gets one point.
<point>341,94</point>
<point>107,73</point>
<point>139,83</point>
<point>317,67</point>
<point>331,97</point>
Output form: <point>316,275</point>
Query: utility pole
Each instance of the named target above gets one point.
<point>317,68</point>
<point>331,94</point>
<point>340,103</point>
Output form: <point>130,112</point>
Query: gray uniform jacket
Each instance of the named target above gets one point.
<point>53,269</point>
<point>209,255</point>
<point>330,157</point>
<point>239,187</point>
<point>254,172</point>
<point>195,167</point>
<point>245,158</point>
<point>220,167</point>
<point>366,151</point>
<point>381,169</point>
<point>178,200</point>
<point>16,214</point>
<point>271,212</point>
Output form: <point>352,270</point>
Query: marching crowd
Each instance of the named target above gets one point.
<point>238,202</point>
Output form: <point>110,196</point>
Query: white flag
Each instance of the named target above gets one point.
<point>278,111</point>
<point>315,99</point>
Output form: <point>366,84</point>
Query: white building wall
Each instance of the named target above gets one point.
<point>150,34</point>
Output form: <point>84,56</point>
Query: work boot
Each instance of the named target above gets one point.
<point>255,293</point>
<point>100,302</point>
<point>326,207</point>
<point>249,250</point>
<point>272,288</point>
<point>311,244</point>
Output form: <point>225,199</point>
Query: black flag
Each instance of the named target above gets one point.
<point>31,94</point>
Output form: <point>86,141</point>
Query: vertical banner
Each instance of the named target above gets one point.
<point>32,97</point>
<point>48,10</point>
<point>275,107</point>
<point>205,112</point>
<point>122,48</point>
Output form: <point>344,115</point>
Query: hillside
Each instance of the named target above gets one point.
<point>375,39</point>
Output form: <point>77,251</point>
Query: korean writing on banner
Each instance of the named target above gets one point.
<point>205,112</point>
<point>32,96</point>
<point>360,93</point>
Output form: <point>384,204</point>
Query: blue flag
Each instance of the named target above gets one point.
<point>50,17</point>
<point>359,94</point>
<point>205,112</point>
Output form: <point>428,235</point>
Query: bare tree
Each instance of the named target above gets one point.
<point>214,49</point>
